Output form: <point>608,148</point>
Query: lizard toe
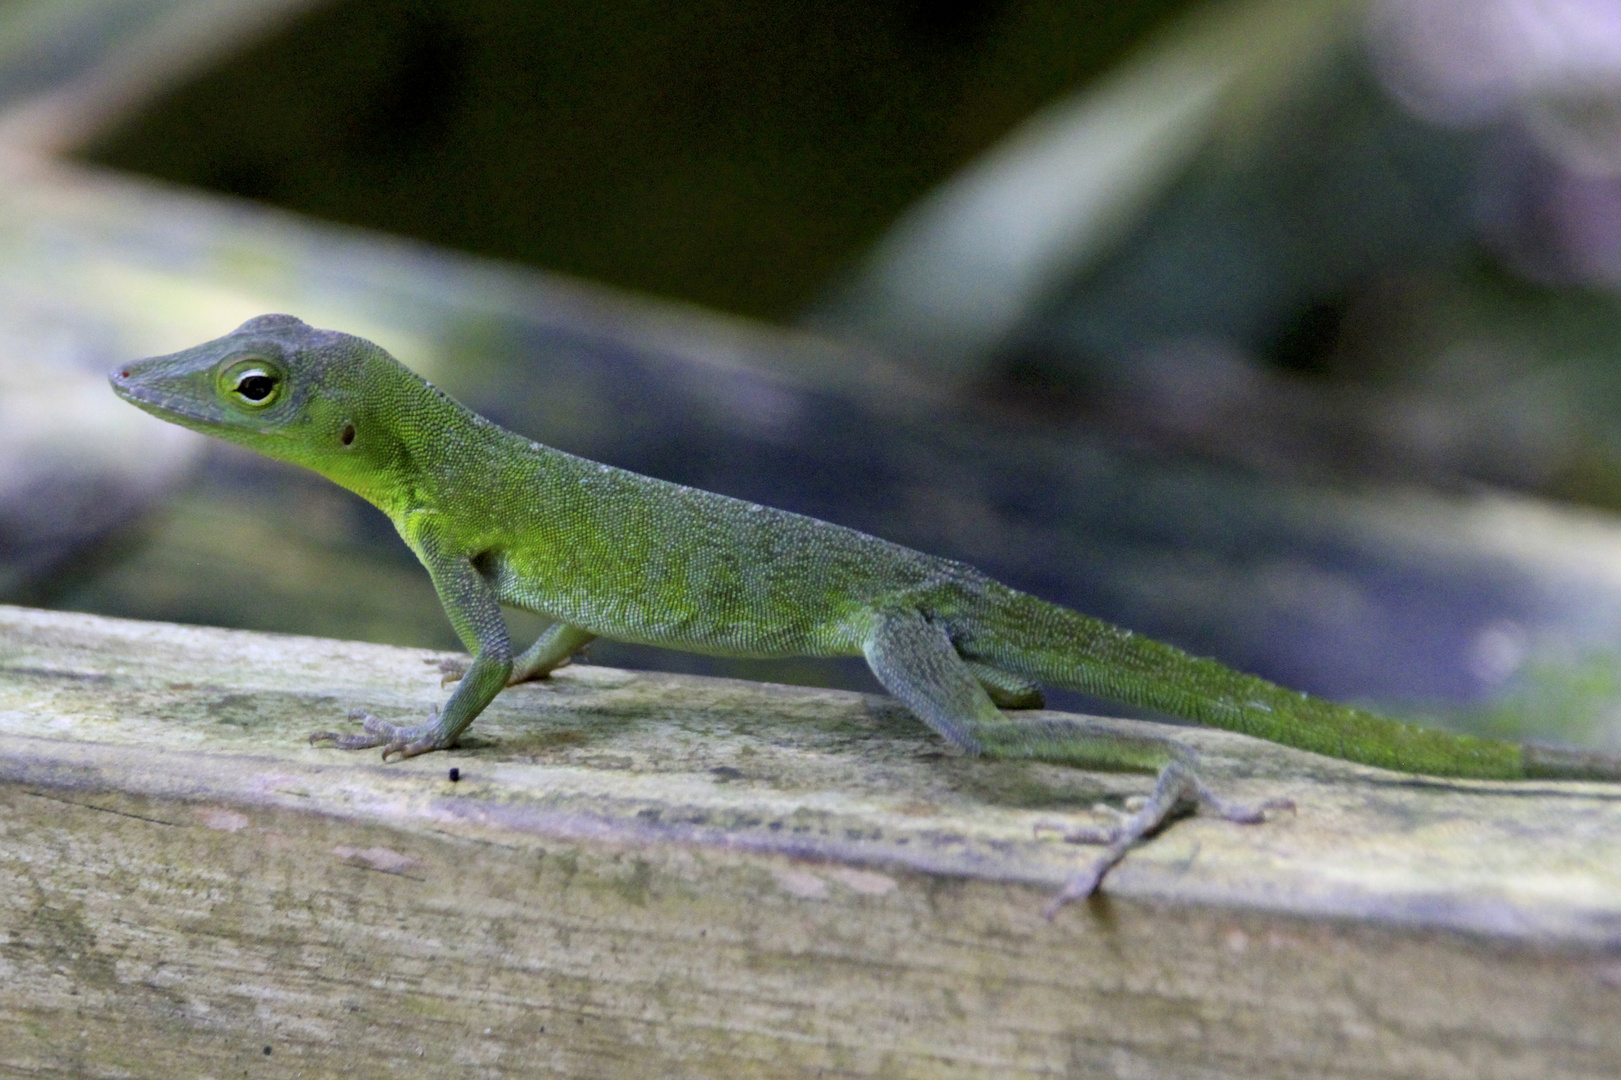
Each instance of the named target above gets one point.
<point>1239,813</point>
<point>345,742</point>
<point>393,738</point>
<point>1093,834</point>
<point>1079,887</point>
<point>401,749</point>
<point>451,671</point>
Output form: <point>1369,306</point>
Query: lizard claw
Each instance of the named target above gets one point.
<point>1242,813</point>
<point>403,742</point>
<point>342,741</point>
<point>1177,791</point>
<point>1078,887</point>
<point>1097,834</point>
<point>450,671</point>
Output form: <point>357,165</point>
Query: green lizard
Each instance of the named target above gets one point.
<point>497,518</point>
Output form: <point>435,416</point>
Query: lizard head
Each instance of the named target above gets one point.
<point>281,387</point>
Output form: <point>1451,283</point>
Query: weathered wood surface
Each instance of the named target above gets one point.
<point>656,875</point>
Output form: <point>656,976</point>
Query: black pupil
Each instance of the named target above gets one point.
<point>256,387</point>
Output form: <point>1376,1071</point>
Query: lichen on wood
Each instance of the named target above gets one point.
<point>648,874</point>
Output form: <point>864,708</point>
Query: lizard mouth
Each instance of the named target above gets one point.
<point>127,383</point>
<point>124,385</point>
<point>176,398</point>
<point>119,378</point>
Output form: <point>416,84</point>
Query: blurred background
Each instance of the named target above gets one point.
<point>1285,331</point>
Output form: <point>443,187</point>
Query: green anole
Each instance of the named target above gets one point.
<point>499,519</point>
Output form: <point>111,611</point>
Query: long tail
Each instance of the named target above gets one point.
<point>1059,647</point>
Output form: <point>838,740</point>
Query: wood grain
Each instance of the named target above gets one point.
<point>656,875</point>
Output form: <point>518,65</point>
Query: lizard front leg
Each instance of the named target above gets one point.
<point>474,612</point>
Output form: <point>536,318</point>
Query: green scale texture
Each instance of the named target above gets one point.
<point>497,518</point>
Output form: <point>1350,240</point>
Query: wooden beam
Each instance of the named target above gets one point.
<point>653,875</point>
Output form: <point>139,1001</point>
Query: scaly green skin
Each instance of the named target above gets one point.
<point>497,518</point>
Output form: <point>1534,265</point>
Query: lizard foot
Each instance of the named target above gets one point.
<point>404,741</point>
<point>450,670</point>
<point>1178,791</point>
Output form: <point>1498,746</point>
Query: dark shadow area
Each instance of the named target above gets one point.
<point>730,152</point>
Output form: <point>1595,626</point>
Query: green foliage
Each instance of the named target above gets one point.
<point>732,152</point>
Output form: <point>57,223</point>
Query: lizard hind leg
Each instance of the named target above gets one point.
<point>1177,791</point>
<point>915,660</point>
<point>1007,690</point>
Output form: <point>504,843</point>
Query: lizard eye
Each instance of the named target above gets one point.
<point>253,384</point>
<point>256,387</point>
